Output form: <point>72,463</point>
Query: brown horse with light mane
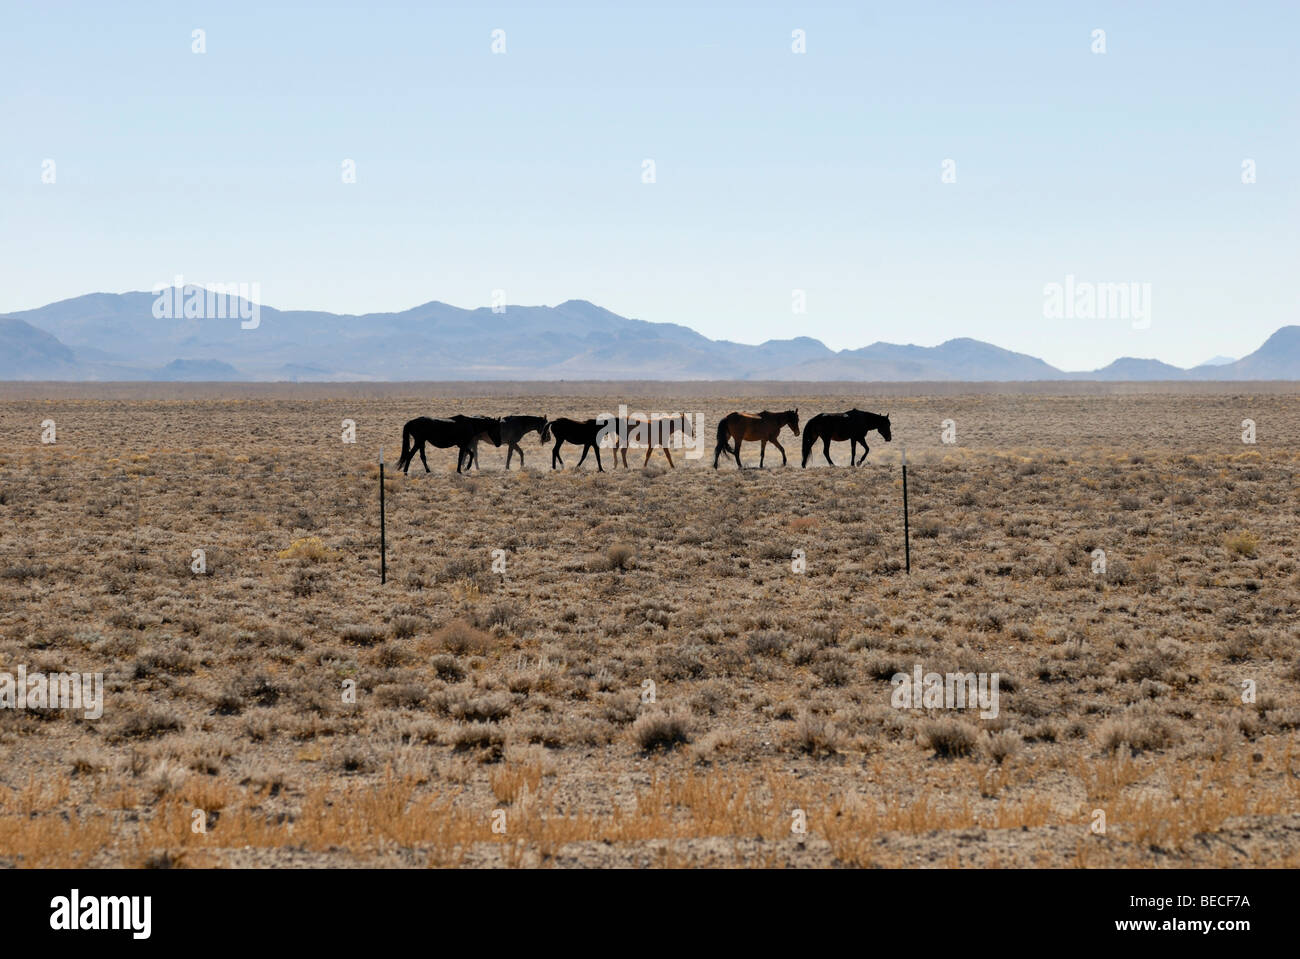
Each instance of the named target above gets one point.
<point>654,433</point>
<point>764,427</point>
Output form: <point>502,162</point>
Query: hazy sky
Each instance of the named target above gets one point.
<point>774,171</point>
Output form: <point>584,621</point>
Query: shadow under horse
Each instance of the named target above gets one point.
<point>852,426</point>
<point>513,429</point>
<point>764,427</point>
<point>444,434</point>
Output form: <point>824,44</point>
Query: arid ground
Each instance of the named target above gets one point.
<point>650,681</point>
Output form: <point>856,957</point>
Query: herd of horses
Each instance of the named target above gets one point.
<point>465,432</point>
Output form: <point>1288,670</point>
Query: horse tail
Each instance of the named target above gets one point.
<point>408,449</point>
<point>722,437</point>
<point>810,437</point>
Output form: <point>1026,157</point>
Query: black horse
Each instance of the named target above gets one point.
<point>513,429</point>
<point>584,433</point>
<point>838,427</point>
<point>445,433</point>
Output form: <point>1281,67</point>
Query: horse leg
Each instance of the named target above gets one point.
<point>853,451</point>
<point>762,452</point>
<point>670,458</point>
<point>422,459</point>
<point>826,449</point>
<point>555,454</point>
<point>647,457</point>
<point>739,464</point>
<point>521,455</point>
<point>865,450</point>
<point>782,449</point>
<point>585,450</point>
<point>599,467</point>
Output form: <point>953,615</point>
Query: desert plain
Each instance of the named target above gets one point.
<point>655,666</point>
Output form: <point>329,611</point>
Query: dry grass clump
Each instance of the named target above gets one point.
<point>485,738</point>
<point>404,627</point>
<point>503,617</point>
<point>1141,728</point>
<point>661,729</point>
<point>767,643</point>
<point>401,695</point>
<point>447,668</point>
<point>706,749</point>
<point>1003,745</point>
<point>514,781</point>
<point>1241,543</point>
<point>927,527</point>
<point>622,708</point>
<point>620,556</point>
<point>309,548</point>
<point>1159,660</point>
<point>461,638</point>
<point>360,634</point>
<point>491,708</point>
<point>816,735</point>
<point>949,738</point>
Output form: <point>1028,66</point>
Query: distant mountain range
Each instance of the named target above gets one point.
<point>112,336</point>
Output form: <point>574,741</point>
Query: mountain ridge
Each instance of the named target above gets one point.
<point>106,336</point>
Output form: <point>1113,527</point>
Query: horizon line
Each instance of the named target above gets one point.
<point>209,288</point>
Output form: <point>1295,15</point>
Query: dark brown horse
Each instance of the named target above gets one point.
<point>584,433</point>
<point>445,433</point>
<point>513,429</point>
<point>764,427</point>
<point>838,427</point>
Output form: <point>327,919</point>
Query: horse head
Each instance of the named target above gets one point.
<point>494,430</point>
<point>883,426</point>
<point>791,417</point>
<point>545,431</point>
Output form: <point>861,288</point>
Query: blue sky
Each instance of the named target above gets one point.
<point>775,171</point>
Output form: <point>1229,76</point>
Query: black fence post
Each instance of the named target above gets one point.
<point>907,537</point>
<point>383,533</point>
